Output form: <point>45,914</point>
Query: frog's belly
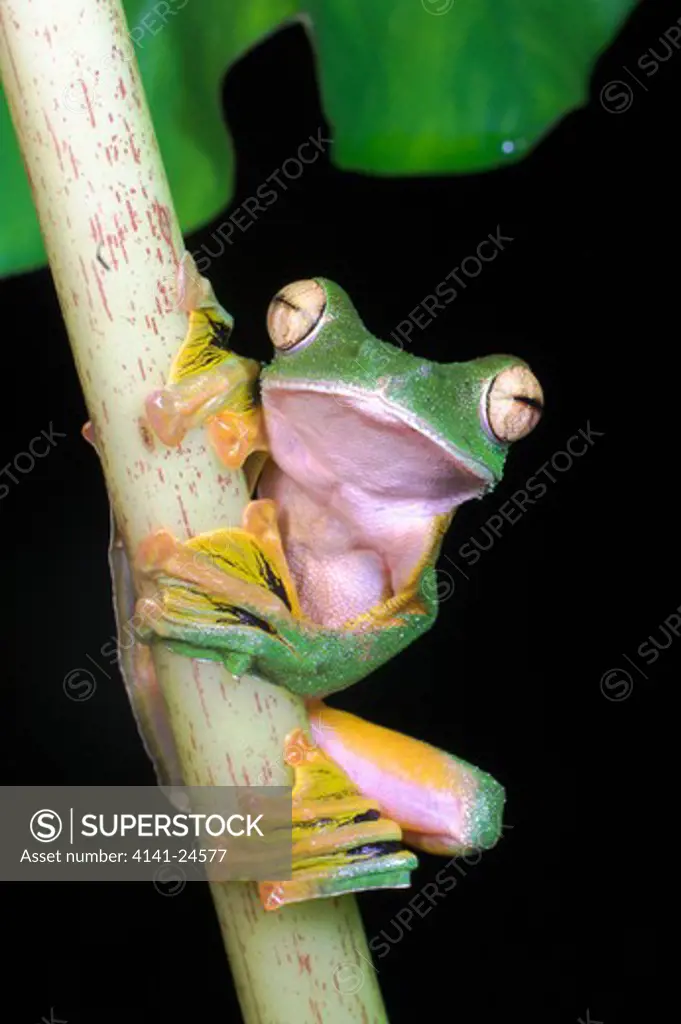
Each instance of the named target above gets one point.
<point>337,575</point>
<point>336,588</point>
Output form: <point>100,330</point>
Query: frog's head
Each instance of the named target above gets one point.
<point>373,415</point>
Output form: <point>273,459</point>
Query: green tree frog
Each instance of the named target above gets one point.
<point>365,453</point>
<point>357,455</point>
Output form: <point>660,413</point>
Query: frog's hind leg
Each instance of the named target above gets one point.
<point>443,804</point>
<point>360,792</point>
<point>342,843</point>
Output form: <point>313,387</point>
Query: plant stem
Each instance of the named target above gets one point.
<point>113,241</point>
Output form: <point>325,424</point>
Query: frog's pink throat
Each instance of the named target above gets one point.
<point>358,485</point>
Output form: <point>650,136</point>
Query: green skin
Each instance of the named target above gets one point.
<point>443,403</point>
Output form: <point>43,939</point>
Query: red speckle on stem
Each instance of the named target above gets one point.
<point>55,140</point>
<point>134,223</point>
<point>163,216</point>
<point>314,1009</point>
<point>136,153</point>
<point>120,231</point>
<point>196,672</point>
<point>88,104</point>
<point>164,292</point>
<point>102,292</point>
<point>17,79</point>
<point>87,281</point>
<point>304,963</point>
<point>152,225</point>
<point>74,162</point>
<point>248,906</point>
<point>230,769</point>
<point>111,242</point>
<point>185,517</point>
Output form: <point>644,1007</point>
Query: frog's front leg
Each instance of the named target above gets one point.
<point>208,384</point>
<point>225,595</point>
<point>228,595</point>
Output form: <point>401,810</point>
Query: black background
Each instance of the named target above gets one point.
<point>560,917</point>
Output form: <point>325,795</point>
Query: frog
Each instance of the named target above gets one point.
<point>366,453</point>
<point>357,455</point>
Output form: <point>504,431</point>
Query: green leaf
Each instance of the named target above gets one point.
<point>182,61</point>
<point>408,86</point>
<point>410,91</point>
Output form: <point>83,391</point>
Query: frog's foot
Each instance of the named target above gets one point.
<point>208,384</point>
<point>226,591</point>
<point>342,843</point>
<point>443,805</point>
<point>221,398</point>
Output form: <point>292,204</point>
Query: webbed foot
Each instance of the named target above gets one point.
<point>220,594</point>
<point>228,595</point>
<point>208,384</point>
<point>342,843</point>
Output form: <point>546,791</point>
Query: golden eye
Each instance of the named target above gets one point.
<point>294,314</point>
<point>515,403</point>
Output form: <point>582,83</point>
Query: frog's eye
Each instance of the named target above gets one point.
<point>295,314</point>
<point>514,404</point>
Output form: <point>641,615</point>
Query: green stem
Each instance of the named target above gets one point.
<point>113,242</point>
